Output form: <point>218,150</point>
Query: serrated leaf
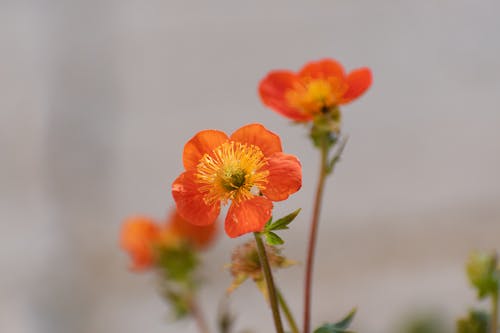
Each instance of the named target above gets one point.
<point>338,327</point>
<point>273,239</point>
<point>282,223</point>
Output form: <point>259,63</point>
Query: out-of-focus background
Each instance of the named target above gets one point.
<point>97,98</point>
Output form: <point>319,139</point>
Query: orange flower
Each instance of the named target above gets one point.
<point>138,236</point>
<point>247,168</point>
<point>318,87</point>
<point>142,236</point>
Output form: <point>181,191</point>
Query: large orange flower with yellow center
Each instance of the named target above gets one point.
<point>247,169</point>
<point>318,87</point>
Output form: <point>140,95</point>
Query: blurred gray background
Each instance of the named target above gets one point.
<point>98,97</point>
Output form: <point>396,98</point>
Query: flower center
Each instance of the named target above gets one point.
<point>232,172</point>
<point>313,96</point>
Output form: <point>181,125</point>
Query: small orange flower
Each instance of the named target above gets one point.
<point>247,168</point>
<point>318,87</point>
<point>142,236</point>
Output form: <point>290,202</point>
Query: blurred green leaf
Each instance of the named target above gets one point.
<point>340,326</point>
<point>476,322</point>
<point>483,274</point>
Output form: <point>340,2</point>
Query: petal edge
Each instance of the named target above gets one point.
<point>359,80</point>
<point>200,144</point>
<point>258,135</point>
<point>248,216</point>
<point>285,176</point>
<point>272,92</point>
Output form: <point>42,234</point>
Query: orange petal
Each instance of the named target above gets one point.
<point>199,236</point>
<point>203,142</point>
<point>285,176</point>
<point>322,69</point>
<point>190,203</point>
<point>138,235</point>
<point>359,80</point>
<point>272,92</point>
<point>248,216</point>
<point>258,135</point>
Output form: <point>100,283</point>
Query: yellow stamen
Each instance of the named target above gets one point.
<point>232,172</point>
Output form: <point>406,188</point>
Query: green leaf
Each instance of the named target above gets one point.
<point>282,223</point>
<point>268,223</point>
<point>273,239</point>
<point>338,153</point>
<point>340,326</point>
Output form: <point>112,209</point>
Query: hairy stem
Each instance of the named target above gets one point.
<point>271,289</point>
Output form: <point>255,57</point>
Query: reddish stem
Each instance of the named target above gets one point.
<point>313,236</point>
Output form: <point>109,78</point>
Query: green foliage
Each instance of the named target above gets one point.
<point>281,224</point>
<point>483,273</point>
<point>476,322</point>
<point>338,327</point>
<point>273,239</point>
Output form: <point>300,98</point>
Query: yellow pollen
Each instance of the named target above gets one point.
<point>312,96</point>
<point>232,172</point>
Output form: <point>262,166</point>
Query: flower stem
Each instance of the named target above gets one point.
<point>198,316</point>
<point>287,312</point>
<point>494,313</point>
<point>271,289</point>
<point>323,172</point>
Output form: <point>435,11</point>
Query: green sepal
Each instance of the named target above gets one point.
<point>273,239</point>
<point>282,223</point>
<point>325,128</point>
<point>338,327</point>
<point>178,264</point>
